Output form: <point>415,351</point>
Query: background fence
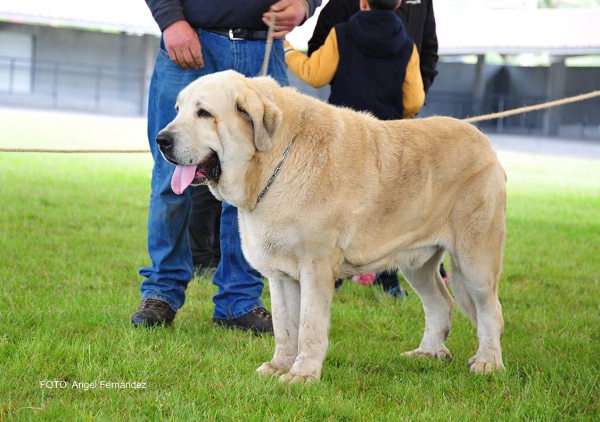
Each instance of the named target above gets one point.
<point>582,120</point>
<point>68,85</point>
<point>122,90</point>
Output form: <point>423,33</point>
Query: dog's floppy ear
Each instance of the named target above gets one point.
<point>265,116</point>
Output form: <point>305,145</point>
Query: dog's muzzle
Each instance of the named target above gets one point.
<point>208,170</point>
<point>165,144</point>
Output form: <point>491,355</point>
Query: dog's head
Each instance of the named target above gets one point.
<point>222,121</point>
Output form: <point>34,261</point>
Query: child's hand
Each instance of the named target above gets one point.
<point>287,47</point>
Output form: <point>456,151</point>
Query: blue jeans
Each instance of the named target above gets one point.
<point>239,285</point>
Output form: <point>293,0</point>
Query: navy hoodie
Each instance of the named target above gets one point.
<point>374,53</point>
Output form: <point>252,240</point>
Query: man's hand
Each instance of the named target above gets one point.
<point>288,15</point>
<point>183,45</point>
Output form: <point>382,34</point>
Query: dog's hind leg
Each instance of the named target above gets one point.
<point>478,221</point>
<point>474,281</point>
<point>285,304</point>
<point>437,304</point>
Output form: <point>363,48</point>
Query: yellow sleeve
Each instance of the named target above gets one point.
<point>413,93</point>
<point>318,69</point>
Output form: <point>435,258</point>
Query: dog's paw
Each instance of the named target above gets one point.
<point>482,365</point>
<point>293,378</point>
<point>441,354</point>
<point>268,368</point>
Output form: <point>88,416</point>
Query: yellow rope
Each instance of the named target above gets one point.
<point>268,47</point>
<point>519,110</point>
<point>533,107</point>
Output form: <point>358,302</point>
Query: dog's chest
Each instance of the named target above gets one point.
<point>269,245</point>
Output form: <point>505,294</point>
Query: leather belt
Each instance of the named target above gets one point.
<point>235,34</point>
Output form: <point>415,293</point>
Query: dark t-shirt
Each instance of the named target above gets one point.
<point>215,13</point>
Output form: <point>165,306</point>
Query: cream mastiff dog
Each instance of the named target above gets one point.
<point>325,192</point>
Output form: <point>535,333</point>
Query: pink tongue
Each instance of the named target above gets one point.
<point>182,178</point>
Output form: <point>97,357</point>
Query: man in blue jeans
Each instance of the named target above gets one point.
<point>202,37</point>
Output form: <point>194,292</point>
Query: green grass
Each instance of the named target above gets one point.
<point>72,237</point>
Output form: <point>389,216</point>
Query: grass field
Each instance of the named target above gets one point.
<point>72,237</point>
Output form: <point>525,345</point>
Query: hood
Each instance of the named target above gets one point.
<point>378,33</point>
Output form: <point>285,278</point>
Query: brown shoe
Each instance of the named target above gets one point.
<point>258,321</point>
<point>153,312</point>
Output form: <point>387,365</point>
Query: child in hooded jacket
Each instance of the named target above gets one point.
<point>369,60</point>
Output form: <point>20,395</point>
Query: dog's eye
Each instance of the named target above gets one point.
<point>203,113</point>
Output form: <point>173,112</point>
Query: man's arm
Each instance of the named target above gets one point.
<point>183,45</point>
<point>289,14</point>
<point>181,41</point>
<point>166,12</point>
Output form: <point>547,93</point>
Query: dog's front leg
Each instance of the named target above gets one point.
<point>285,305</point>
<point>316,294</point>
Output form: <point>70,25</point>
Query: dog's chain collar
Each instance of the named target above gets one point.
<point>276,172</point>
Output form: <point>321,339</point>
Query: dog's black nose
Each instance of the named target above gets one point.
<point>164,139</point>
